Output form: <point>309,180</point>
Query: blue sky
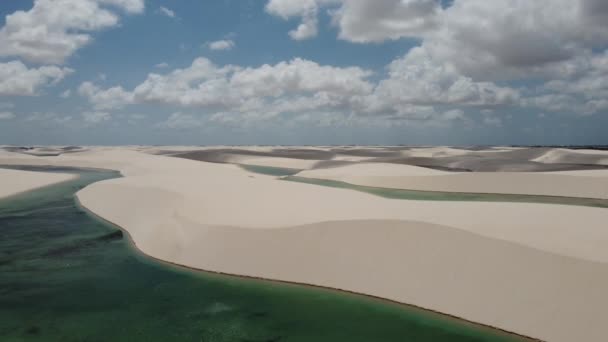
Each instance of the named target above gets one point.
<point>303,72</point>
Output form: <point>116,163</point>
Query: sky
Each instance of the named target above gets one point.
<point>304,72</point>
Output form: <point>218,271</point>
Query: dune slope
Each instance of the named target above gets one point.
<point>13,182</point>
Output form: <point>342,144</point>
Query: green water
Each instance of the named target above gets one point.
<point>288,174</point>
<point>270,170</point>
<point>452,196</point>
<point>65,276</point>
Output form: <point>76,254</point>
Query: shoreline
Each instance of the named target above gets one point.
<point>352,186</point>
<point>67,177</point>
<point>133,244</point>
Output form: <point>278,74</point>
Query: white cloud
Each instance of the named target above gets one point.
<point>590,78</point>
<point>204,84</point>
<point>51,118</point>
<point>482,39</point>
<point>415,84</point>
<point>130,6</point>
<point>307,10</point>
<point>580,86</point>
<point>93,118</point>
<point>470,50</point>
<point>364,21</point>
<point>180,120</point>
<point>222,45</point>
<point>66,94</point>
<point>115,97</point>
<point>18,79</point>
<point>418,79</point>
<point>454,114</point>
<point>6,115</point>
<point>307,28</point>
<point>360,21</point>
<point>166,12</point>
<point>52,30</point>
<point>506,39</point>
<point>162,65</point>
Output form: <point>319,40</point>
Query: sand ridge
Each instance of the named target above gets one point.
<point>585,184</point>
<point>13,182</point>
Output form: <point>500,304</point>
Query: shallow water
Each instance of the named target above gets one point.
<point>65,276</point>
<point>288,174</point>
<point>270,170</point>
<point>453,196</point>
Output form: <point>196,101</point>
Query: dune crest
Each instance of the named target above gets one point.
<point>13,182</point>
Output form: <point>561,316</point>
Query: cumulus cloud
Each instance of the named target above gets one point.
<point>17,79</point>
<point>307,10</point>
<point>360,21</point>
<point>302,86</point>
<point>115,97</point>
<point>482,39</point>
<point>419,79</point>
<point>579,86</point>
<point>221,45</point>
<point>52,30</point>
<point>510,38</point>
<point>365,21</point>
<point>471,50</point>
<point>220,88</point>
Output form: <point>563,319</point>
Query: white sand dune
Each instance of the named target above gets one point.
<point>288,163</point>
<point>535,269</point>
<point>565,156</point>
<point>436,267</point>
<point>571,184</point>
<point>13,182</point>
<point>445,151</point>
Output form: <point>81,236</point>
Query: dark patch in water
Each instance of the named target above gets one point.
<point>272,339</point>
<point>113,236</point>
<point>34,330</point>
<point>259,314</point>
<point>83,244</point>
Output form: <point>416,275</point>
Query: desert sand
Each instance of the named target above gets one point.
<point>13,182</point>
<point>539,270</point>
<point>566,183</point>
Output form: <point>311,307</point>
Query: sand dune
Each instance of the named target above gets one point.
<point>574,157</point>
<point>13,182</point>
<point>571,184</point>
<point>535,269</point>
<point>440,268</point>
